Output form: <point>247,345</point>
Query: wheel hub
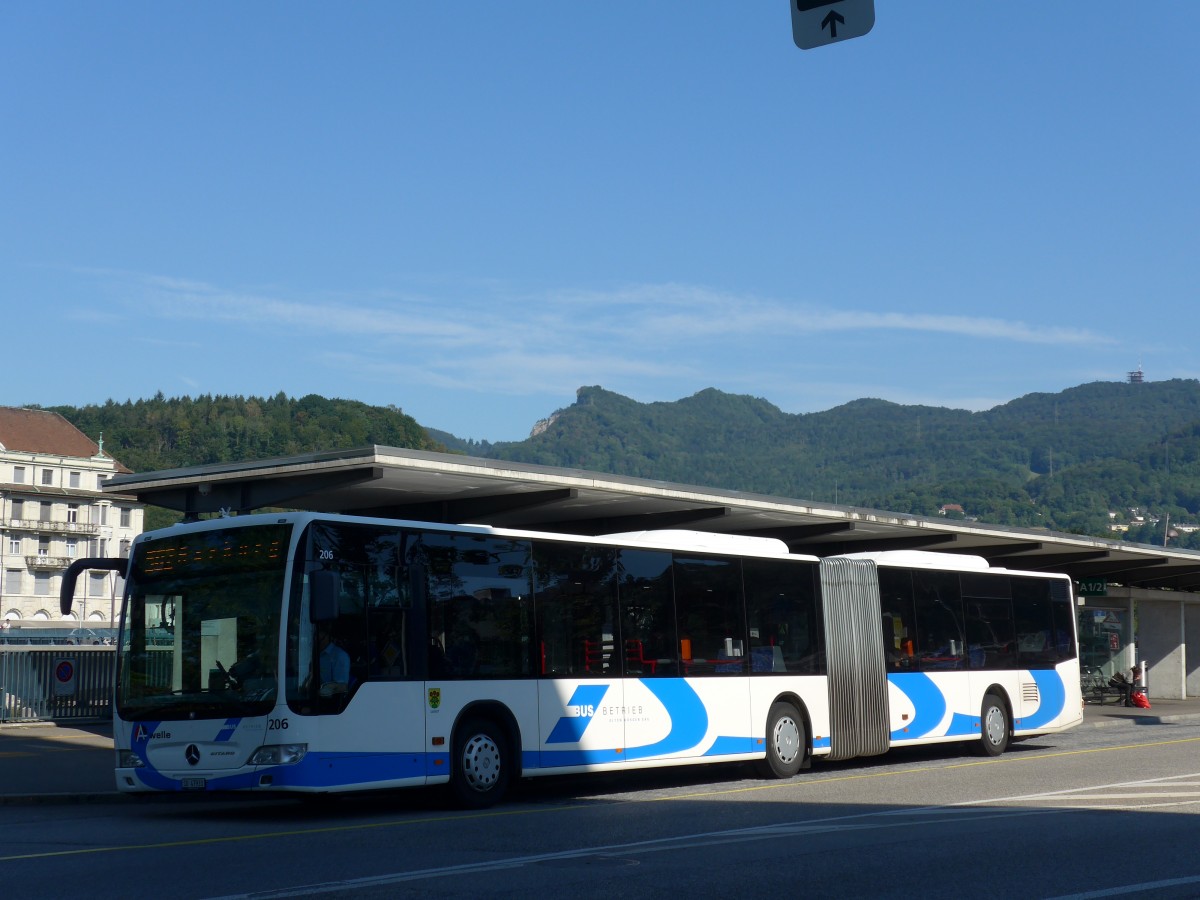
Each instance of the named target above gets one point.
<point>787,740</point>
<point>481,762</point>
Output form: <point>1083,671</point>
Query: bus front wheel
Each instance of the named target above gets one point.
<point>993,723</point>
<point>481,763</point>
<point>786,742</point>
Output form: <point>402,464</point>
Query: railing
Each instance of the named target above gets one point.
<point>47,562</point>
<point>83,528</point>
<point>59,682</point>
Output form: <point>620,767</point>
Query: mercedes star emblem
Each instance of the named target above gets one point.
<point>192,754</point>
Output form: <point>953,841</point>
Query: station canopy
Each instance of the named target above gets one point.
<point>394,483</point>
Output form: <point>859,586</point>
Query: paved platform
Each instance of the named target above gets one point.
<point>51,762</point>
<point>1161,712</point>
<point>73,763</point>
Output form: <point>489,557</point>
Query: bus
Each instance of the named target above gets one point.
<point>305,652</point>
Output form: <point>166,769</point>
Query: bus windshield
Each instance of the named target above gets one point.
<point>200,632</point>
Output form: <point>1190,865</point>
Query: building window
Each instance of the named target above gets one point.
<point>14,546</point>
<point>72,547</point>
<point>97,584</point>
<point>104,515</point>
<point>43,546</point>
<point>41,584</point>
<point>18,474</point>
<point>47,476</point>
<point>72,512</point>
<point>12,581</point>
<point>100,479</point>
<point>126,516</point>
<point>44,512</point>
<point>75,476</point>
<point>18,509</point>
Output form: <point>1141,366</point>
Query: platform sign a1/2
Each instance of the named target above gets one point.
<point>815,24</point>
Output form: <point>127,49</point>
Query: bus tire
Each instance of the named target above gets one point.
<point>786,742</point>
<point>481,764</point>
<point>993,725</point>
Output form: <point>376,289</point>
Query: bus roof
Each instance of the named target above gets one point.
<point>953,562</point>
<point>703,542</point>
<point>665,539</point>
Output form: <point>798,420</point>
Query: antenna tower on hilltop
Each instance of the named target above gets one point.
<point>1136,376</point>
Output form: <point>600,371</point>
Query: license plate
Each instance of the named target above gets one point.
<point>193,784</point>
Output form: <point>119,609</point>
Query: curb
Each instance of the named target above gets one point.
<point>1169,719</point>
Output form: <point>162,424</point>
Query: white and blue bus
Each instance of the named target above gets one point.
<point>302,652</point>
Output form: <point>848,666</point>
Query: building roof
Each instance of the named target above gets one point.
<point>417,485</point>
<point>42,431</point>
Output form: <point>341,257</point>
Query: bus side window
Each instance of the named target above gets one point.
<point>899,621</point>
<point>576,592</point>
<point>647,600</point>
<point>939,617</point>
<point>781,613</point>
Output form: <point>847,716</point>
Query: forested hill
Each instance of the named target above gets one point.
<point>161,433</point>
<point>1062,461</point>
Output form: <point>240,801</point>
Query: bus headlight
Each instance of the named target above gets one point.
<point>127,759</point>
<point>278,754</point>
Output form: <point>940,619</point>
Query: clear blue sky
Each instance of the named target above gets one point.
<point>471,209</point>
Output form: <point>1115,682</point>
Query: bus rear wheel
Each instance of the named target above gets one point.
<point>786,743</point>
<point>481,764</point>
<point>993,721</point>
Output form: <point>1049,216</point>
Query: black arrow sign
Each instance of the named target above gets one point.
<point>832,21</point>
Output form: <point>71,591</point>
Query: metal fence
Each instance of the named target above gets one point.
<point>56,683</point>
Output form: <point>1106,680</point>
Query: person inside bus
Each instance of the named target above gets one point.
<point>253,670</point>
<point>334,664</point>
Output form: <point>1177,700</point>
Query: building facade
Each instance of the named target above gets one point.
<point>52,512</point>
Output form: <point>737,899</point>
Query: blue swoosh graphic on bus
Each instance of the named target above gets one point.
<point>1054,699</point>
<point>584,702</point>
<point>929,706</point>
<point>552,759</point>
<point>728,744</point>
<point>962,724</point>
<point>317,770</point>
<point>689,718</point>
<point>139,743</point>
<point>328,770</point>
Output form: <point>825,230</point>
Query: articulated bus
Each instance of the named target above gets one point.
<point>301,652</point>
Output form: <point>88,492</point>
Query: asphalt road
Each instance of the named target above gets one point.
<point>1109,807</point>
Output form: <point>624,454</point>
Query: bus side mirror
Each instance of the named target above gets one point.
<point>324,595</point>
<point>66,591</point>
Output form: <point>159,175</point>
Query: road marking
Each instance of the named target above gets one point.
<point>797,784</point>
<point>267,835</point>
<point>619,851</point>
<point>960,813</point>
<point>1130,889</point>
<point>1195,795</point>
<point>1065,793</point>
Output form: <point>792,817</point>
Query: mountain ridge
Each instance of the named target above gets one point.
<point>1060,460</point>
